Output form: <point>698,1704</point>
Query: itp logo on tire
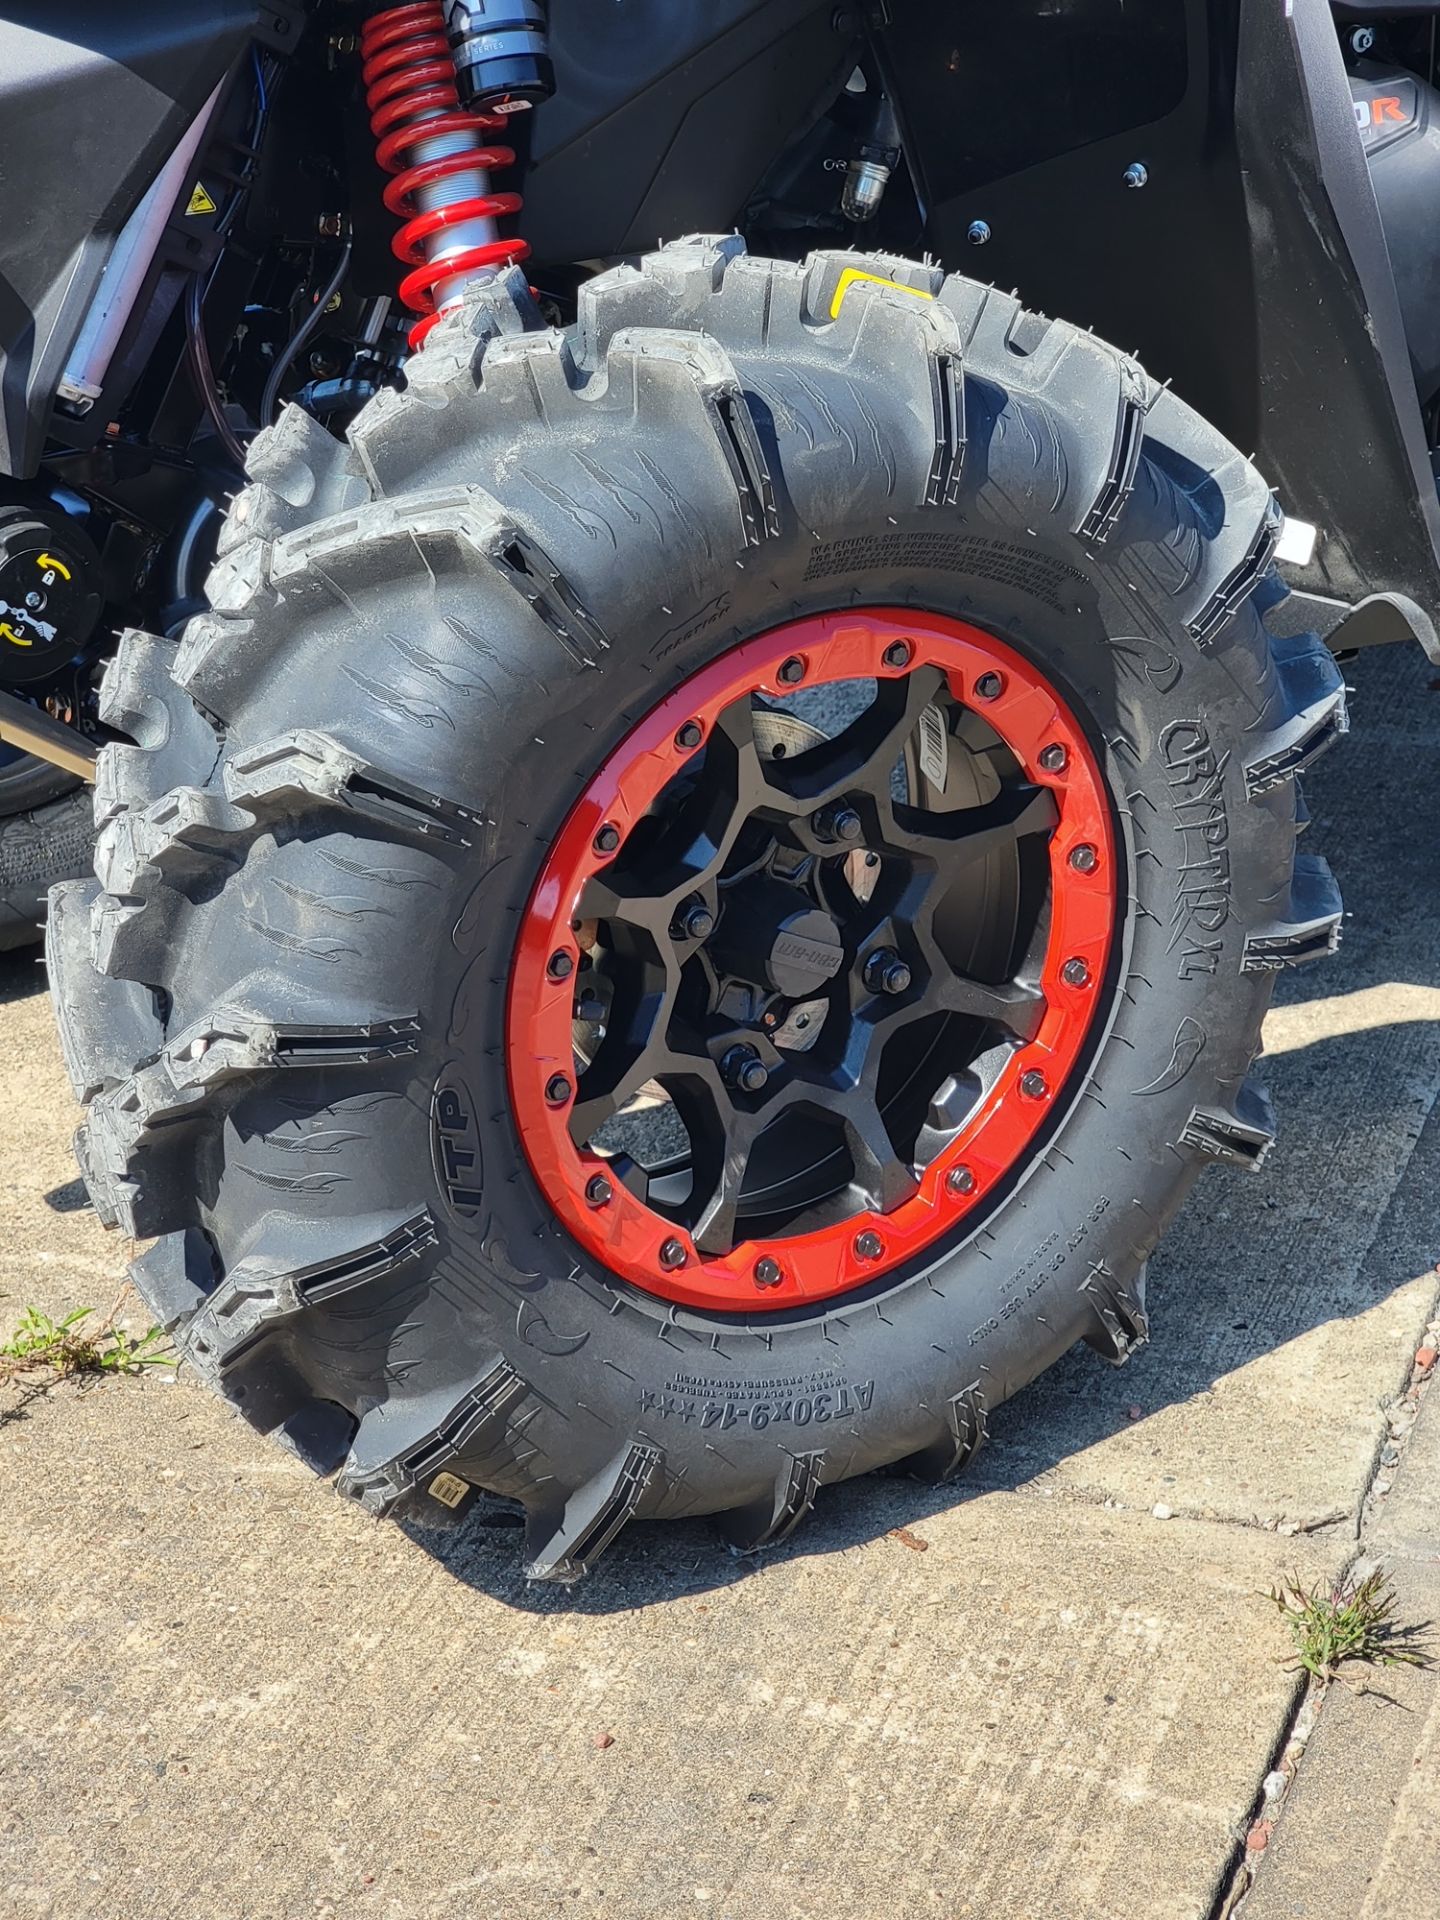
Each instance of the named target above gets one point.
<point>455,1146</point>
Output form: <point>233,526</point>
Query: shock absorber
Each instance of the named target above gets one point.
<point>440,151</point>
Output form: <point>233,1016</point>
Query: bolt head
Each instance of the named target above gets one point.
<point>697,922</point>
<point>960,1180</point>
<point>1075,973</point>
<point>672,1255</point>
<point>1084,858</point>
<point>886,972</point>
<point>557,1089</point>
<point>989,686</point>
<point>898,653</point>
<point>690,736</point>
<point>1034,1085</point>
<point>1137,174</point>
<point>869,1245</point>
<point>753,1076</point>
<point>744,1068</point>
<point>792,671</point>
<point>561,965</point>
<point>598,1190</point>
<point>607,839</point>
<point>978,232</point>
<point>767,1272</point>
<point>1053,757</point>
<point>839,823</point>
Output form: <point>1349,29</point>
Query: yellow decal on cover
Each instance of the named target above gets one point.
<point>852,274</point>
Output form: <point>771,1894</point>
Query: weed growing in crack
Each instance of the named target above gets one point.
<point>68,1347</point>
<point>1352,1621</point>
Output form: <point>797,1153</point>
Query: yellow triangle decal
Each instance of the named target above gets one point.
<point>200,201</point>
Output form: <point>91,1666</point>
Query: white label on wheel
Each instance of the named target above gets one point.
<point>448,1489</point>
<point>934,747</point>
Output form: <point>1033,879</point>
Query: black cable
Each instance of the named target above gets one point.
<point>202,373</point>
<point>302,336</point>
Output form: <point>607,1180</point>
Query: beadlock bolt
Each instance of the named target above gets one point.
<point>1075,973</point>
<point>689,736</point>
<point>960,1180</point>
<point>792,671</point>
<point>1084,858</point>
<point>1053,757</point>
<point>557,1089</point>
<point>989,686</point>
<point>869,1245</point>
<point>672,1255</point>
<point>607,839</point>
<point>1034,1085</point>
<point>767,1272</point>
<point>897,654</point>
<point>598,1191</point>
<point>561,965</point>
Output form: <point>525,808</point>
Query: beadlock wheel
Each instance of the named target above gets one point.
<point>780,947</point>
<point>699,897</point>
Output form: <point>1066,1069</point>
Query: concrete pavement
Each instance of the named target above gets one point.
<point>223,1694</point>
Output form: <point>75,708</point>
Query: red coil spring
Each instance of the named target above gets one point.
<point>410,91</point>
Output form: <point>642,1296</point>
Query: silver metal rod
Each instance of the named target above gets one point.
<point>34,731</point>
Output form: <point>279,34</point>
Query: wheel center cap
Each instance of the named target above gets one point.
<point>774,936</point>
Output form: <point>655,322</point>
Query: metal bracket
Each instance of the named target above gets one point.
<point>35,731</point>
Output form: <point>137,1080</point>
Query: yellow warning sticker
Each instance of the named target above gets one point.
<point>200,201</point>
<point>852,274</point>
<point>448,1489</point>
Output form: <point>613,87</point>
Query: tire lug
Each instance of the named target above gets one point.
<point>1054,757</point>
<point>897,654</point>
<point>1034,1085</point>
<point>694,921</point>
<point>743,1068</point>
<point>607,839</point>
<point>989,686</point>
<point>598,1191</point>
<point>1084,858</point>
<point>1075,973</point>
<point>838,823</point>
<point>792,671</point>
<point>869,1245</point>
<point>561,965</point>
<point>767,1272</point>
<point>557,1089</point>
<point>689,736</point>
<point>886,972</point>
<point>673,1255</point>
<point>960,1180</point>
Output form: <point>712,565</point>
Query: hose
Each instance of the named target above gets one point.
<point>301,338</point>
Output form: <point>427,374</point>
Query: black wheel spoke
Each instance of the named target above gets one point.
<point>880,1174</point>
<point>1017,1008</point>
<point>974,833</point>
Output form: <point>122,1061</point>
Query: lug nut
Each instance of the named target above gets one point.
<point>1033,1085</point>
<point>897,654</point>
<point>886,972</point>
<point>561,966</point>
<point>767,1272</point>
<point>672,1255</point>
<point>607,839</point>
<point>690,736</point>
<point>869,1245</point>
<point>743,1068</point>
<point>792,671</point>
<point>1053,757</point>
<point>557,1089</point>
<point>960,1180</point>
<point>598,1191</point>
<point>694,922</point>
<point>838,823</point>
<point>1075,973</point>
<point>989,686</point>
<point>1084,858</point>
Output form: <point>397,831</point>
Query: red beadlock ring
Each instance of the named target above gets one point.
<point>625,1235</point>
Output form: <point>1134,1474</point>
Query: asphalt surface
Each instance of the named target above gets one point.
<point>1056,1689</point>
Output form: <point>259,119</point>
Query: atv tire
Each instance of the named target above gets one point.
<point>47,835</point>
<point>284,1005</point>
